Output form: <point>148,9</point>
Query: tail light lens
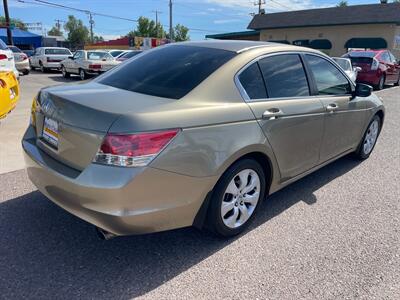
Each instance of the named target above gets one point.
<point>94,66</point>
<point>133,150</point>
<point>24,57</point>
<point>375,64</point>
<point>3,56</point>
<point>3,84</point>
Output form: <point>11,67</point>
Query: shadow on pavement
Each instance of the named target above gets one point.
<point>46,253</point>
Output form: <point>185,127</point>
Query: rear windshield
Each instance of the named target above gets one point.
<point>343,63</point>
<point>94,55</point>
<point>3,46</point>
<point>57,52</point>
<point>361,60</point>
<point>370,54</point>
<point>15,49</point>
<point>169,71</point>
<point>116,53</point>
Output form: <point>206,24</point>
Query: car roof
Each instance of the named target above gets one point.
<point>240,46</point>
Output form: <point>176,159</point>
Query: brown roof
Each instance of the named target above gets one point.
<point>350,15</point>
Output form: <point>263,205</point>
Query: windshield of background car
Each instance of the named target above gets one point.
<point>57,52</point>
<point>3,46</point>
<point>130,54</point>
<point>169,71</point>
<point>96,55</point>
<point>115,53</point>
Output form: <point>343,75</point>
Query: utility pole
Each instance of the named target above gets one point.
<point>58,24</point>
<point>8,23</point>
<point>171,29</point>
<point>157,12</point>
<point>91,22</point>
<point>259,3</point>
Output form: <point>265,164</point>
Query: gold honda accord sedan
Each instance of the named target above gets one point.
<point>195,134</point>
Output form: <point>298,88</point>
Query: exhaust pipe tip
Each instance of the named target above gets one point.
<point>104,235</point>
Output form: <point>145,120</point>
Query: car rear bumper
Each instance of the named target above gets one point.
<point>52,65</point>
<point>122,201</point>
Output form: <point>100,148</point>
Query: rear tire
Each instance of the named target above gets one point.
<point>236,198</point>
<point>64,72</point>
<point>82,74</point>
<point>369,139</point>
<point>398,81</point>
<point>381,83</point>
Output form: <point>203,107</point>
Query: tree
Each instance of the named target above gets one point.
<point>13,22</point>
<point>342,4</point>
<point>78,34</point>
<point>148,28</point>
<point>181,33</point>
<point>98,38</point>
<point>55,31</point>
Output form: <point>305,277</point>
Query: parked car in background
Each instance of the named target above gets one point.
<point>195,133</point>
<point>46,58</point>
<point>128,54</point>
<point>345,64</point>
<point>7,62</point>
<point>88,63</point>
<point>9,92</point>
<point>378,67</point>
<point>21,60</point>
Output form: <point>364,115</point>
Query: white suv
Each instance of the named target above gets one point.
<point>7,62</point>
<point>46,58</point>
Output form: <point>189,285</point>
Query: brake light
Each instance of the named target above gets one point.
<point>94,66</point>
<point>3,84</point>
<point>3,56</point>
<point>24,57</point>
<point>375,64</point>
<point>133,150</point>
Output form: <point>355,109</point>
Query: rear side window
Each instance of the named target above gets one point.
<point>169,71</point>
<point>3,45</point>
<point>57,52</point>
<point>253,83</point>
<point>284,76</point>
<point>328,78</point>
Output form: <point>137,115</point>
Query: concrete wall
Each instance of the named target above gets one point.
<point>338,35</point>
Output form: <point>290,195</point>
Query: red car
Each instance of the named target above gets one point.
<point>378,67</point>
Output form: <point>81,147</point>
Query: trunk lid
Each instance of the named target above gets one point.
<point>72,120</point>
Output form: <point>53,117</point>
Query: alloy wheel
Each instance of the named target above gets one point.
<point>371,137</point>
<point>82,74</point>
<point>240,198</point>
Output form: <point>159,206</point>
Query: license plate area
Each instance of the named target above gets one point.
<point>50,132</point>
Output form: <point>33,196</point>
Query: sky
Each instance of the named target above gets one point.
<point>201,16</point>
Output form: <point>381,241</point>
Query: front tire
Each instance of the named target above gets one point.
<point>236,198</point>
<point>398,81</point>
<point>369,139</point>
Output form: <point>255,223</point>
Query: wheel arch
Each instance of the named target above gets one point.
<point>266,164</point>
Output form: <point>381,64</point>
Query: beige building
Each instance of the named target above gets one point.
<point>332,30</point>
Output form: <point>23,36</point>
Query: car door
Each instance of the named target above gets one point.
<point>34,58</point>
<point>344,114</point>
<point>390,67</point>
<point>276,89</point>
<point>75,62</point>
<point>396,64</point>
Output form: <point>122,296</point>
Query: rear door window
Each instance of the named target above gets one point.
<point>170,71</point>
<point>284,76</point>
<point>328,78</point>
<point>252,81</point>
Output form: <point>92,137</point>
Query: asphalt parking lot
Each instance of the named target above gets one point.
<point>333,235</point>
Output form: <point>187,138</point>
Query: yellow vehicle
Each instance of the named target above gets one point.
<point>9,93</point>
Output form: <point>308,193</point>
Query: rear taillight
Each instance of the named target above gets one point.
<point>94,66</point>
<point>24,57</point>
<point>3,56</point>
<point>375,64</point>
<point>133,150</point>
<point>3,84</point>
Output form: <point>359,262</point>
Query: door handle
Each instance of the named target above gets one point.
<point>272,113</point>
<point>332,107</point>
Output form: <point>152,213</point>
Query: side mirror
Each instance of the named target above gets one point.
<point>70,57</point>
<point>363,90</point>
<point>357,69</point>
